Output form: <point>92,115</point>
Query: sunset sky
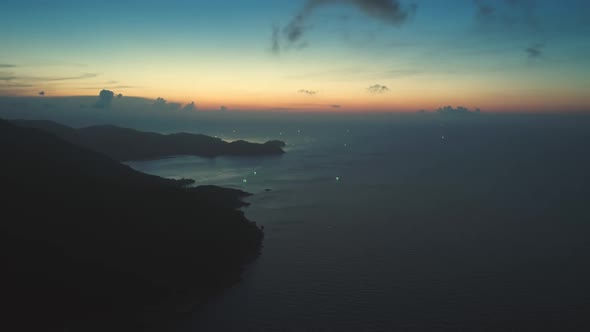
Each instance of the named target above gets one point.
<point>340,55</point>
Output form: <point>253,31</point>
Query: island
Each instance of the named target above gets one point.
<point>124,144</point>
<point>89,244</point>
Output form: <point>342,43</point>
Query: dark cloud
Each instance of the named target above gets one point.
<point>484,10</point>
<point>105,98</point>
<point>378,89</point>
<point>391,12</point>
<point>459,110</point>
<point>160,101</point>
<point>42,93</point>
<point>295,29</point>
<point>507,12</point>
<point>336,106</point>
<point>119,96</point>
<point>223,108</point>
<point>275,40</point>
<point>535,51</point>
<point>4,65</point>
<point>190,107</point>
<point>162,104</point>
<point>308,92</point>
<point>516,17</point>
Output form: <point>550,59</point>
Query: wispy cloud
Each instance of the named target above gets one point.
<point>308,92</point>
<point>68,78</point>
<point>4,65</point>
<point>514,17</point>
<point>396,73</point>
<point>507,12</point>
<point>15,85</point>
<point>8,76</point>
<point>390,12</point>
<point>535,51</point>
<point>96,87</point>
<point>15,82</point>
<point>378,89</point>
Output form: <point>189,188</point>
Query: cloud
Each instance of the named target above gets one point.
<point>459,110</point>
<point>15,85</point>
<point>507,12</point>
<point>390,12</point>
<point>6,76</point>
<point>162,104</point>
<point>535,51</point>
<point>336,106</point>
<point>105,98</point>
<point>94,87</point>
<point>124,87</point>
<point>4,65</point>
<point>514,17</point>
<point>173,106</point>
<point>42,93</point>
<point>275,40</point>
<point>294,30</point>
<point>378,89</point>
<point>223,108</point>
<point>484,10</point>
<point>119,96</point>
<point>308,92</point>
<point>190,107</point>
<point>160,101</point>
<point>403,72</point>
<point>67,78</point>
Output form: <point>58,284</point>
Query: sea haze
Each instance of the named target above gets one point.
<point>415,223</point>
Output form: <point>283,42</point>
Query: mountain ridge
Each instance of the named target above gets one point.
<point>126,144</point>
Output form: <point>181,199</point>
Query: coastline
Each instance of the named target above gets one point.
<point>100,246</point>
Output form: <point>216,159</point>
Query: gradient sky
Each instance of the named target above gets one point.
<point>498,55</point>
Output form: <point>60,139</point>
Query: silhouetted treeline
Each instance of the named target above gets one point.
<point>90,244</point>
<point>125,144</point>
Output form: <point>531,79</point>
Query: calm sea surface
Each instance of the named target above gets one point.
<point>436,226</point>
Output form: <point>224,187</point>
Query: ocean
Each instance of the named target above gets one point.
<point>424,223</point>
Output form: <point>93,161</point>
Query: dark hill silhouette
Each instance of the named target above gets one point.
<point>125,144</point>
<point>90,244</point>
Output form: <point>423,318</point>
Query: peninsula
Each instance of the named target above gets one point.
<point>124,144</point>
<point>83,236</point>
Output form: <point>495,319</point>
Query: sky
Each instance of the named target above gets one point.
<point>327,55</point>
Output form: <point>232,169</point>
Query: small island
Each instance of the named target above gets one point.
<point>124,144</point>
